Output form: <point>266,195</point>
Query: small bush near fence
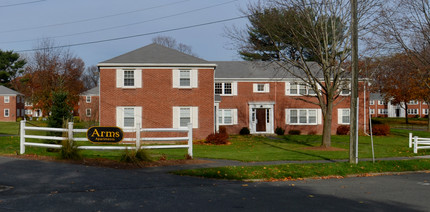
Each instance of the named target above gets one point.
<point>342,130</point>
<point>244,131</point>
<point>279,131</point>
<point>70,151</point>
<point>380,129</point>
<point>294,132</point>
<point>218,138</point>
<point>133,156</point>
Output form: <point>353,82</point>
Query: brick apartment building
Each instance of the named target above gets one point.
<point>379,107</point>
<point>11,105</point>
<point>155,86</point>
<point>88,105</point>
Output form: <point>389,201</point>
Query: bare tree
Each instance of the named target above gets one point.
<point>90,77</point>
<point>312,36</point>
<point>170,42</point>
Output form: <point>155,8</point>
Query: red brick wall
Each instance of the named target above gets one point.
<point>282,102</point>
<point>13,106</point>
<point>157,97</point>
<point>93,105</point>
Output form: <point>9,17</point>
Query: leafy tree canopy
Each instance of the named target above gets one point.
<point>10,66</point>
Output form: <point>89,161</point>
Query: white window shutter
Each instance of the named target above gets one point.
<point>255,87</point>
<point>176,111</point>
<point>234,88</point>
<point>319,116</point>
<point>119,78</point>
<point>339,116</point>
<point>176,77</point>
<point>287,116</point>
<point>138,116</point>
<point>138,78</point>
<point>287,88</point>
<point>195,116</point>
<point>194,78</point>
<point>234,115</point>
<point>267,87</point>
<point>119,117</point>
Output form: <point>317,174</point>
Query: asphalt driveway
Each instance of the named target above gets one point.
<point>27,185</point>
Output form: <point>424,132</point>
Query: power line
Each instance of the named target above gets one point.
<point>91,19</point>
<point>127,25</point>
<point>138,35</point>
<point>23,3</point>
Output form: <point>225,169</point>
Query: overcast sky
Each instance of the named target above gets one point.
<point>87,25</point>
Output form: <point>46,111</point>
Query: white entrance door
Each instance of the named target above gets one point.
<point>261,118</point>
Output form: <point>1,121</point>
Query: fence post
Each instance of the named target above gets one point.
<point>137,136</point>
<point>22,137</point>
<point>410,140</point>
<point>70,131</point>
<point>190,140</point>
<point>415,144</point>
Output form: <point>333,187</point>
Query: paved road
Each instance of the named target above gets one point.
<point>50,186</point>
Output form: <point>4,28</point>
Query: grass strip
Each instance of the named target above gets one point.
<point>299,171</point>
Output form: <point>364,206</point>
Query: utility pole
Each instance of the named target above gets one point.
<point>353,132</point>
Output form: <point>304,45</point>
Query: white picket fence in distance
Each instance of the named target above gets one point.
<point>418,143</point>
<point>138,139</point>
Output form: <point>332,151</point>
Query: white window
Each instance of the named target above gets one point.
<point>343,116</point>
<point>372,102</point>
<point>226,88</point>
<point>88,112</point>
<point>381,102</point>
<point>412,111</point>
<point>28,104</point>
<point>425,111</point>
<point>128,117</point>
<point>227,116</point>
<point>17,113</point>
<point>128,78</point>
<point>372,111</point>
<point>88,99</point>
<point>184,115</point>
<point>6,99</point>
<point>303,116</point>
<point>28,112</point>
<point>6,112</point>
<point>261,88</point>
<point>413,102</point>
<point>383,111</point>
<point>185,78</point>
<point>345,90</point>
<point>296,89</point>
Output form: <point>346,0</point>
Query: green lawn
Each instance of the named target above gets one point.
<point>298,171</point>
<point>252,148</point>
<point>297,147</point>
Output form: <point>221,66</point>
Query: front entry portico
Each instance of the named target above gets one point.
<point>261,117</point>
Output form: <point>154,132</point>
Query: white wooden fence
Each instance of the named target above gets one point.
<point>70,132</point>
<point>418,143</point>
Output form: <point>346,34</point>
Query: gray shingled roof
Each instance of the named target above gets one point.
<point>376,96</point>
<point>92,92</point>
<point>254,70</point>
<point>154,54</point>
<point>8,91</point>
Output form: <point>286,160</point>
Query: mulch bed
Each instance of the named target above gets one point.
<point>103,162</point>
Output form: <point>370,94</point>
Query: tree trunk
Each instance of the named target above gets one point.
<point>326,139</point>
<point>406,113</point>
<point>428,123</point>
